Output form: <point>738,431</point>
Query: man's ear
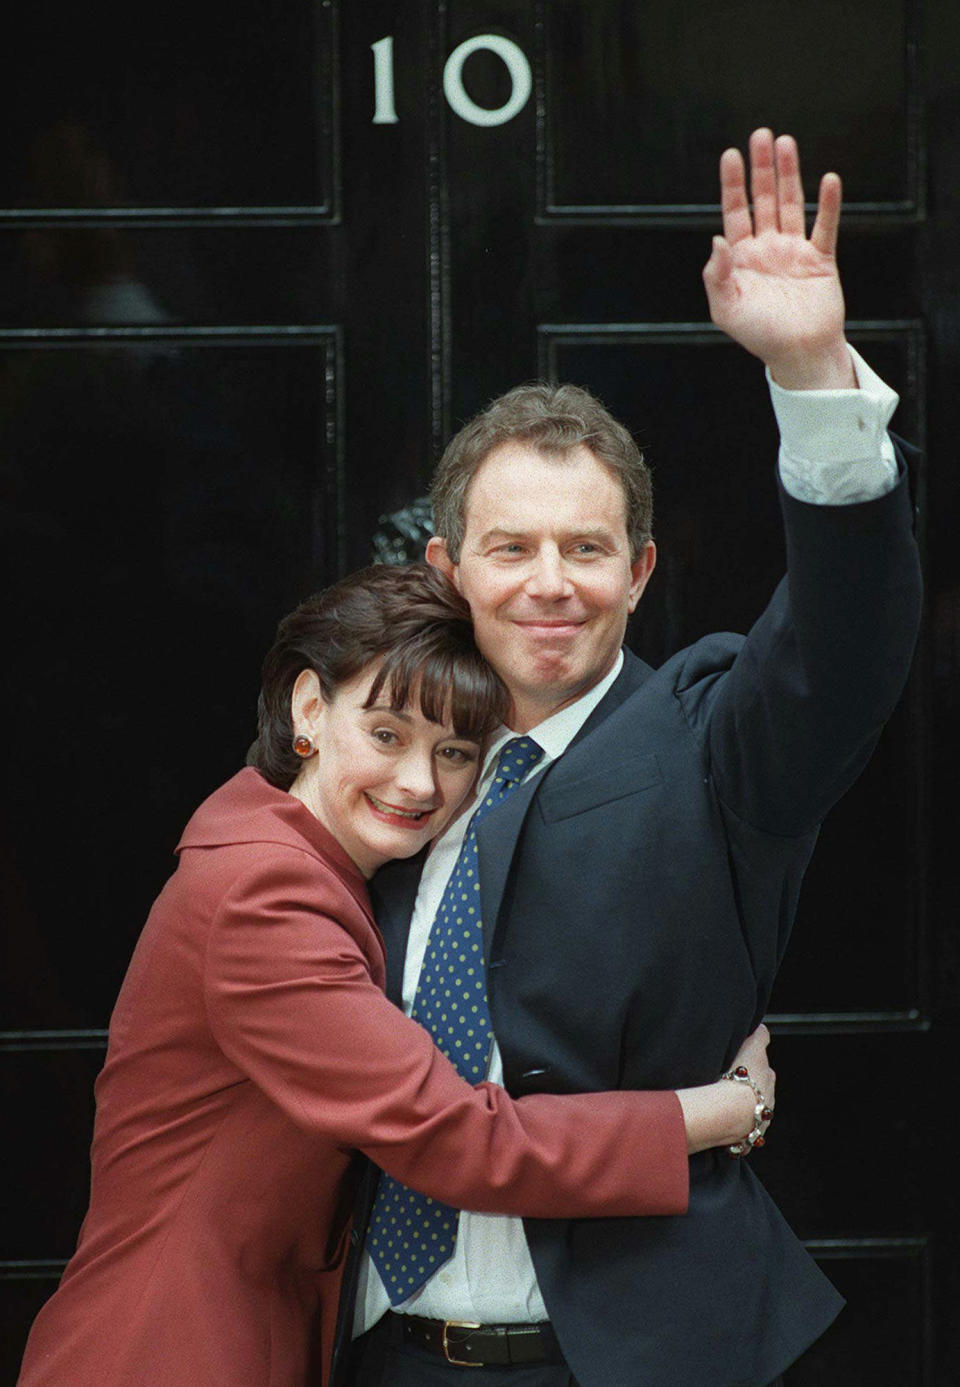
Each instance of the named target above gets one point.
<point>307,704</point>
<point>438,556</point>
<point>641,569</point>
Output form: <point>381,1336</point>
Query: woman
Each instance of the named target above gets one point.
<point>252,1048</point>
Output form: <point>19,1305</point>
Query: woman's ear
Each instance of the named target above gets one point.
<point>307,705</point>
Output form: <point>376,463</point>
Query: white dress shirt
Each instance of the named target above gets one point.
<point>834,450</point>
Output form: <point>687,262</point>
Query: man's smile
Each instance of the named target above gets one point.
<point>550,625</point>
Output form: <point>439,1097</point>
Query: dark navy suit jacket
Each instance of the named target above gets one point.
<point>637,900</point>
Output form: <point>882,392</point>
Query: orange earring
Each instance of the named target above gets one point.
<point>302,745</point>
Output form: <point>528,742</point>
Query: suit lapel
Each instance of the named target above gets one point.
<point>497,834</point>
<point>497,837</point>
<point>393,891</point>
<point>633,675</point>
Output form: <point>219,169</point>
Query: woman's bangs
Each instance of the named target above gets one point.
<point>457,689</point>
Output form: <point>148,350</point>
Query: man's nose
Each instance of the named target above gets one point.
<point>547,578</point>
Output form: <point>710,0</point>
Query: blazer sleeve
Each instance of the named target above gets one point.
<point>292,1002</point>
<point>791,723</point>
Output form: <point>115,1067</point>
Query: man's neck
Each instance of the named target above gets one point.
<point>528,713</point>
<point>524,716</point>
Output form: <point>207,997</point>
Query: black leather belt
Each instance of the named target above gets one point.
<point>470,1345</point>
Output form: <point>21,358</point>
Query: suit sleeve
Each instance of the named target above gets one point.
<point>292,1002</point>
<point>790,725</point>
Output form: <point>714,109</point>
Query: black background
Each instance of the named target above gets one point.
<point>239,321</point>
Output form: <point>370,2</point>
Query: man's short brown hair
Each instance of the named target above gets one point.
<point>553,419</point>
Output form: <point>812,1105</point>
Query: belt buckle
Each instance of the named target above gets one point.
<point>457,1324</point>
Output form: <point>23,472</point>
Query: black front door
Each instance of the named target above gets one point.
<point>260,261</point>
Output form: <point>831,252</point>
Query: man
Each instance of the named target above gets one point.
<point>638,887</point>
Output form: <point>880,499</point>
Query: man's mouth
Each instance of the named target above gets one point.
<point>549,626</point>
<point>391,811</point>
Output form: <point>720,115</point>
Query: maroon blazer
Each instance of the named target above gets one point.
<point>251,1051</point>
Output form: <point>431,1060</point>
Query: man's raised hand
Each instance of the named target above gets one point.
<point>772,288</point>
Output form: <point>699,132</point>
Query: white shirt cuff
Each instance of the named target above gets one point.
<point>834,445</point>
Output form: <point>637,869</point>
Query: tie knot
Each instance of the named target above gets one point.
<point>517,757</point>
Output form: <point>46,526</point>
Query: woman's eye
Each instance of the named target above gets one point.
<point>458,756</point>
<point>384,736</point>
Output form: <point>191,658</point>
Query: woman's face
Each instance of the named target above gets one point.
<point>382,782</point>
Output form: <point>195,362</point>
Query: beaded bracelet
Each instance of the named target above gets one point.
<point>761,1113</point>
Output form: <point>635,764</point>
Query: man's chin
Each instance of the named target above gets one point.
<point>549,688</point>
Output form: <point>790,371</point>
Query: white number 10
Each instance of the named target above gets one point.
<point>514,58</point>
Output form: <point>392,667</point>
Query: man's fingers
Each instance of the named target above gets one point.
<point>737,222</point>
<point>824,234</point>
<point>763,182</point>
<point>719,267</point>
<point>789,186</point>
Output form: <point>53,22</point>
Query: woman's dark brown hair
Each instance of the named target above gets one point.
<point>409,618</point>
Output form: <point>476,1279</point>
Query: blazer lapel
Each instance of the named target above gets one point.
<point>498,832</point>
<point>634,674</point>
<point>497,836</point>
<point>393,891</point>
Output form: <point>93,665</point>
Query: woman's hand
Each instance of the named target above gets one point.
<point>721,1114</point>
<point>753,1056</point>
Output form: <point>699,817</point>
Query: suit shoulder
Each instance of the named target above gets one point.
<point>264,874</point>
<point>644,703</point>
<point>704,661</point>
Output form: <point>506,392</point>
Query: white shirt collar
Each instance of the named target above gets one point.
<point>557,731</point>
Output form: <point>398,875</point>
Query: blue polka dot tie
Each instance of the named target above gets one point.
<point>412,1235</point>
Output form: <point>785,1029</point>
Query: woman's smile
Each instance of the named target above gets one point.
<point>393,811</point>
